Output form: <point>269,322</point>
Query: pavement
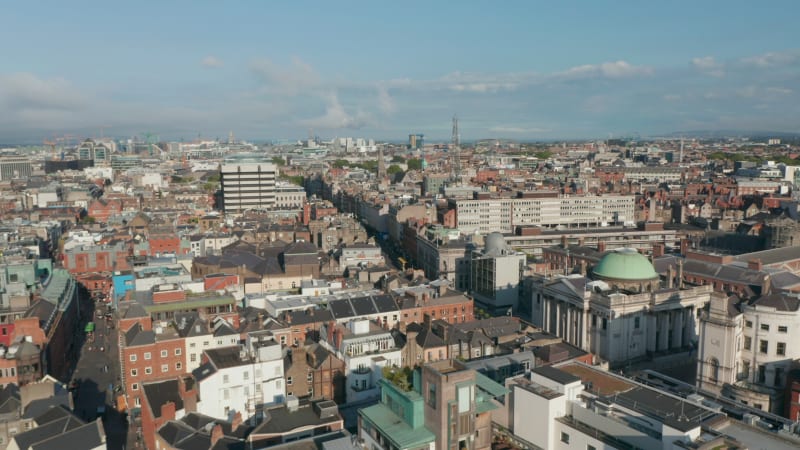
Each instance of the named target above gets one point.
<point>96,385</point>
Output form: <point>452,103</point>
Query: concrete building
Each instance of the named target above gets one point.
<point>248,183</point>
<point>746,349</point>
<point>14,167</point>
<point>486,214</point>
<point>495,274</point>
<point>444,406</point>
<point>98,152</point>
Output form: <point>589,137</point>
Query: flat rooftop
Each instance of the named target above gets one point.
<point>602,383</point>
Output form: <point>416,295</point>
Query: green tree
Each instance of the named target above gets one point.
<point>398,159</point>
<point>545,154</point>
<point>393,169</point>
<point>278,161</point>
<point>294,179</point>
<point>414,164</point>
<point>339,163</point>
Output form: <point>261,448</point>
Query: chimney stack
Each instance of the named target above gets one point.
<point>680,274</point>
<point>755,264</point>
<point>658,250</point>
<point>670,277</point>
<point>684,246</point>
<point>237,420</point>
<point>601,246</point>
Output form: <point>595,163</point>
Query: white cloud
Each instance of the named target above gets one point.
<point>709,66</point>
<point>293,79</point>
<point>772,59</point>
<point>211,62</point>
<point>779,91</point>
<point>615,69</point>
<point>25,91</point>
<point>385,101</point>
<point>671,97</point>
<point>336,118</point>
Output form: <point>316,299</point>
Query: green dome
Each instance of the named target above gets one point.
<point>625,264</point>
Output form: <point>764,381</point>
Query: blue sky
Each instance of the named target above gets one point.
<point>525,70</point>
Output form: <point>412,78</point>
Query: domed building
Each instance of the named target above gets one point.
<point>621,311</point>
<point>626,269</point>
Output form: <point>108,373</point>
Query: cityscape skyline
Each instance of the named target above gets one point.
<point>525,71</point>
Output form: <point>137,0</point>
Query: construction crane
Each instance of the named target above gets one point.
<point>52,145</point>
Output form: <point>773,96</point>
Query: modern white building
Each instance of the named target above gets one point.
<point>12,167</point>
<point>575,406</point>
<point>547,210</point>
<point>365,349</point>
<point>235,379</point>
<point>495,273</point>
<point>361,254</point>
<point>747,348</point>
<point>622,312</point>
<point>248,182</point>
<point>289,196</point>
<point>199,335</point>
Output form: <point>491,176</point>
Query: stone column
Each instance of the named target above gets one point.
<point>679,328</point>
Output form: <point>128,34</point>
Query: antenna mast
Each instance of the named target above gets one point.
<point>680,161</point>
<point>455,164</point>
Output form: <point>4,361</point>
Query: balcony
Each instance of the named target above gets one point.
<point>362,370</point>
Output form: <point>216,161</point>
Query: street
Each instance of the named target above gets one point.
<point>96,374</point>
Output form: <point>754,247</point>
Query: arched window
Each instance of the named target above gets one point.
<point>714,369</point>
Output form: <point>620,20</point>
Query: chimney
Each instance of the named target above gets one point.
<point>583,267</point>
<point>288,317</point>
<point>564,241</point>
<point>766,286</point>
<point>581,241</point>
<point>601,246</point>
<point>755,264</point>
<point>237,420</point>
<point>216,434</point>
<point>684,246</point>
<point>658,250</point>
<point>680,274</point>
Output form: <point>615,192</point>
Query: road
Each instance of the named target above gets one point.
<point>96,373</point>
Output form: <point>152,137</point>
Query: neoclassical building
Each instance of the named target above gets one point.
<point>747,348</point>
<point>622,311</point>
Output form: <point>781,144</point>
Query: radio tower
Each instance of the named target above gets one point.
<point>455,163</point>
<point>680,162</point>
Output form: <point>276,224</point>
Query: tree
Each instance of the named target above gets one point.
<point>398,159</point>
<point>414,164</point>
<point>340,163</point>
<point>394,169</point>
<point>278,161</point>
<point>543,154</point>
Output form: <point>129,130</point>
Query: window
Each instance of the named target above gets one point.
<point>193,345</point>
<point>288,381</point>
<point>205,343</point>
<point>164,368</point>
<point>605,323</point>
<point>564,438</point>
<point>763,346</point>
<point>783,329</point>
<point>246,375</point>
<point>133,357</point>
<point>147,355</point>
<point>283,340</point>
<point>148,370</point>
<point>765,327</point>
<point>134,372</point>
<point>762,373</point>
<point>177,352</point>
<point>193,357</point>
<point>748,342</point>
<point>135,387</point>
<point>310,391</point>
<point>226,395</point>
<point>636,322</point>
<point>714,369</point>
<point>432,395</point>
<point>778,381</point>
<point>781,349</point>
<point>178,366</point>
<point>594,320</point>
<point>225,379</point>
<point>164,353</point>
<point>748,323</point>
<point>590,447</point>
<point>310,376</point>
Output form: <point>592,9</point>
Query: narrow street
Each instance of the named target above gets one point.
<point>96,375</point>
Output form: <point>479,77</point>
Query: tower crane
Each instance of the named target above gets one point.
<point>52,145</point>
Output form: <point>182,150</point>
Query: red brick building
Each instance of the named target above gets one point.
<point>148,354</point>
<point>102,209</point>
<point>161,401</point>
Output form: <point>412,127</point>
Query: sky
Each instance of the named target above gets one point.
<point>528,70</point>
